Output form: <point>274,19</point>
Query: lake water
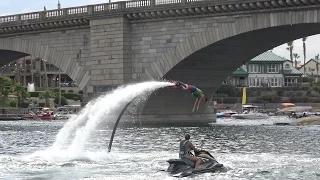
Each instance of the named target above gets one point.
<point>249,149</point>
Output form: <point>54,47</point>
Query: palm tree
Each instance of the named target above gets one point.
<point>47,94</point>
<point>304,54</point>
<point>296,56</point>
<point>4,81</point>
<point>290,49</point>
<point>317,65</point>
<point>20,92</point>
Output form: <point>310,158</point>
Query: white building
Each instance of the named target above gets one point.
<point>267,69</point>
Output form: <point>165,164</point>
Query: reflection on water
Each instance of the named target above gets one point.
<point>249,149</point>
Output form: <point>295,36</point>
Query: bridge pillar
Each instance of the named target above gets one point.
<point>110,60</point>
<point>174,106</point>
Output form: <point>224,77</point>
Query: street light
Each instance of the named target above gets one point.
<point>45,71</point>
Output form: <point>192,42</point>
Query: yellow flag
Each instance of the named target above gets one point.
<point>244,96</point>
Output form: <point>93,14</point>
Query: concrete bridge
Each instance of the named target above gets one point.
<point>199,42</point>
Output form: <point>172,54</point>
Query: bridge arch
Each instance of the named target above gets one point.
<point>220,50</point>
<point>15,48</point>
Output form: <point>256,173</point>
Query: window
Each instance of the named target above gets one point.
<point>273,68</point>
<point>274,82</point>
<point>254,68</point>
<point>287,66</point>
<point>255,82</point>
<point>290,81</point>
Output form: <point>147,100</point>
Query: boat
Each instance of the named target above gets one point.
<point>66,112</point>
<point>298,116</point>
<point>300,121</point>
<point>63,115</point>
<point>250,115</point>
<point>250,112</point>
<point>40,116</point>
<point>225,114</point>
<point>185,167</point>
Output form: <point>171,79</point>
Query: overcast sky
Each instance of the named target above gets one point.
<point>22,6</point>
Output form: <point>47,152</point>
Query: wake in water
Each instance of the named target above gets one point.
<point>76,132</point>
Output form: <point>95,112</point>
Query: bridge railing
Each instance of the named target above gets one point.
<point>91,9</point>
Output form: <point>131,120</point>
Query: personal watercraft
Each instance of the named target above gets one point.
<point>185,167</point>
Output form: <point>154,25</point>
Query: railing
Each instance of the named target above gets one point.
<point>8,19</point>
<point>141,3</point>
<point>54,13</point>
<point>77,10</point>
<point>29,16</point>
<point>160,2</point>
<point>91,9</point>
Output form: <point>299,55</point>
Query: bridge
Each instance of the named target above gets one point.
<point>199,42</point>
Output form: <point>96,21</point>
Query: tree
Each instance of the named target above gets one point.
<point>64,100</point>
<point>317,65</point>
<point>304,54</point>
<point>20,92</point>
<point>4,81</point>
<point>296,56</point>
<point>46,95</point>
<point>290,49</point>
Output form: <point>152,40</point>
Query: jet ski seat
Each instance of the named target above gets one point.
<point>183,161</point>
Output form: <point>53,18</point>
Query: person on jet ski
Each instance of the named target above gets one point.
<point>195,91</point>
<point>185,147</point>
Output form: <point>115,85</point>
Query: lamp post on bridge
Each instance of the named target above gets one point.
<point>45,72</point>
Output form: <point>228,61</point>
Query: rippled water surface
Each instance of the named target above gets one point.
<point>249,149</point>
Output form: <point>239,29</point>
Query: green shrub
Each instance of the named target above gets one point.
<point>253,94</point>
<point>305,88</point>
<point>299,99</point>
<point>230,100</point>
<point>314,100</point>
<point>280,93</point>
<point>308,79</point>
<point>229,89</point>
<point>290,94</point>
<point>41,89</point>
<point>42,104</point>
<point>259,93</point>
<point>232,92</point>
<point>220,95</point>
<point>258,99</point>
<point>64,100</point>
<point>7,88</point>
<point>13,103</point>
<point>35,94</point>
<point>272,99</point>
<point>75,98</point>
<point>24,105</point>
<point>218,99</point>
<point>299,94</point>
<point>308,93</point>
<point>316,88</point>
<point>72,95</point>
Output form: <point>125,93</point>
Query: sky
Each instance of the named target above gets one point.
<point>8,7</point>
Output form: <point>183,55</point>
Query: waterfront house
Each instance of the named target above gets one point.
<point>311,68</point>
<point>266,70</point>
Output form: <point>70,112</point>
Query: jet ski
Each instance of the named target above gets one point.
<point>185,167</point>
